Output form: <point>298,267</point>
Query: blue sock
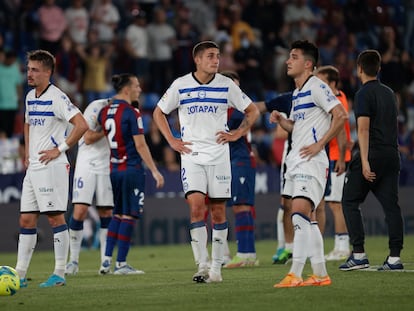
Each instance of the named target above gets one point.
<point>75,224</point>
<point>112,235</point>
<point>245,232</point>
<point>105,222</point>
<point>124,238</point>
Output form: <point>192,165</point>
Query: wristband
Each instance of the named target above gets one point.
<point>63,147</point>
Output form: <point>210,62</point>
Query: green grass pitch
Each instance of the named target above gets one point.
<point>167,284</point>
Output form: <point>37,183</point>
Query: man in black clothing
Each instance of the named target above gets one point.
<point>374,166</point>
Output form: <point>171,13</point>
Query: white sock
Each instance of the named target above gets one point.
<point>343,242</point>
<point>61,247</point>
<point>102,241</point>
<point>359,256</point>
<point>393,260</point>
<point>27,244</point>
<point>226,249</point>
<point>199,245</point>
<point>300,243</point>
<point>246,255</point>
<point>280,230</point>
<point>316,251</point>
<point>217,253</point>
<point>336,243</point>
<point>75,244</point>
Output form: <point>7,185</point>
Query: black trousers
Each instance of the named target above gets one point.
<point>385,189</point>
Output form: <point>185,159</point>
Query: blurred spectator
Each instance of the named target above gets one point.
<point>392,71</point>
<point>77,17</point>
<point>171,160</point>
<point>105,18</point>
<point>137,46</point>
<point>67,70</point>
<point>202,15</point>
<point>96,61</point>
<point>27,28</point>
<point>248,60</point>
<point>302,21</point>
<point>240,29</point>
<point>328,48</point>
<point>409,26</point>
<point>161,37</point>
<point>156,142</point>
<point>227,62</point>
<point>358,21</point>
<point>186,38</point>
<point>281,49</point>
<point>10,161</point>
<point>408,146</point>
<point>10,91</point>
<point>52,24</point>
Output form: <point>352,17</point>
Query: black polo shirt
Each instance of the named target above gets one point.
<point>378,102</point>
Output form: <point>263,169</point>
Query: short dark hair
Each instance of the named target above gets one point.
<point>204,45</point>
<point>332,74</point>
<point>309,50</point>
<point>44,57</point>
<point>370,62</point>
<point>119,81</point>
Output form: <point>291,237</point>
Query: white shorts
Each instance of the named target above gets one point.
<point>86,184</point>
<point>46,189</point>
<point>212,179</point>
<point>337,186</point>
<point>301,184</point>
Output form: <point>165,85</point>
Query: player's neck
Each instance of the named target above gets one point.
<point>123,98</point>
<point>301,80</point>
<point>40,89</point>
<point>203,77</point>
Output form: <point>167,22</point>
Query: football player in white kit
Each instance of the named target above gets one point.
<point>202,99</point>
<point>46,184</point>
<point>316,117</point>
<point>91,179</point>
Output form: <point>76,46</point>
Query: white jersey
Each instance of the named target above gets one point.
<point>48,117</point>
<point>94,156</point>
<point>310,112</point>
<point>202,112</point>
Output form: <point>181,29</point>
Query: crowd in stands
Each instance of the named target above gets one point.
<point>93,39</point>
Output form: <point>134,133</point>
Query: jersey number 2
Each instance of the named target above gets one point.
<point>111,129</point>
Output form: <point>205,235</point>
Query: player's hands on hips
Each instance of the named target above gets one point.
<point>310,151</point>
<point>224,137</point>
<point>159,179</point>
<point>48,155</point>
<point>180,146</point>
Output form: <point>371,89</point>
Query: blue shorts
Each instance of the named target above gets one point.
<point>128,187</point>
<point>243,181</point>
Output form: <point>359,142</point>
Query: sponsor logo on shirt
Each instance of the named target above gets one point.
<point>202,109</point>
<point>37,121</point>
<point>299,116</point>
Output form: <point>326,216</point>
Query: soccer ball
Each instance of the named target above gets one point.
<point>9,281</point>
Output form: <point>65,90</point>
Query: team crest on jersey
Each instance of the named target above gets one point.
<point>202,94</point>
<point>242,180</point>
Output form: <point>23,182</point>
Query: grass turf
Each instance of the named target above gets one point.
<point>167,284</point>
